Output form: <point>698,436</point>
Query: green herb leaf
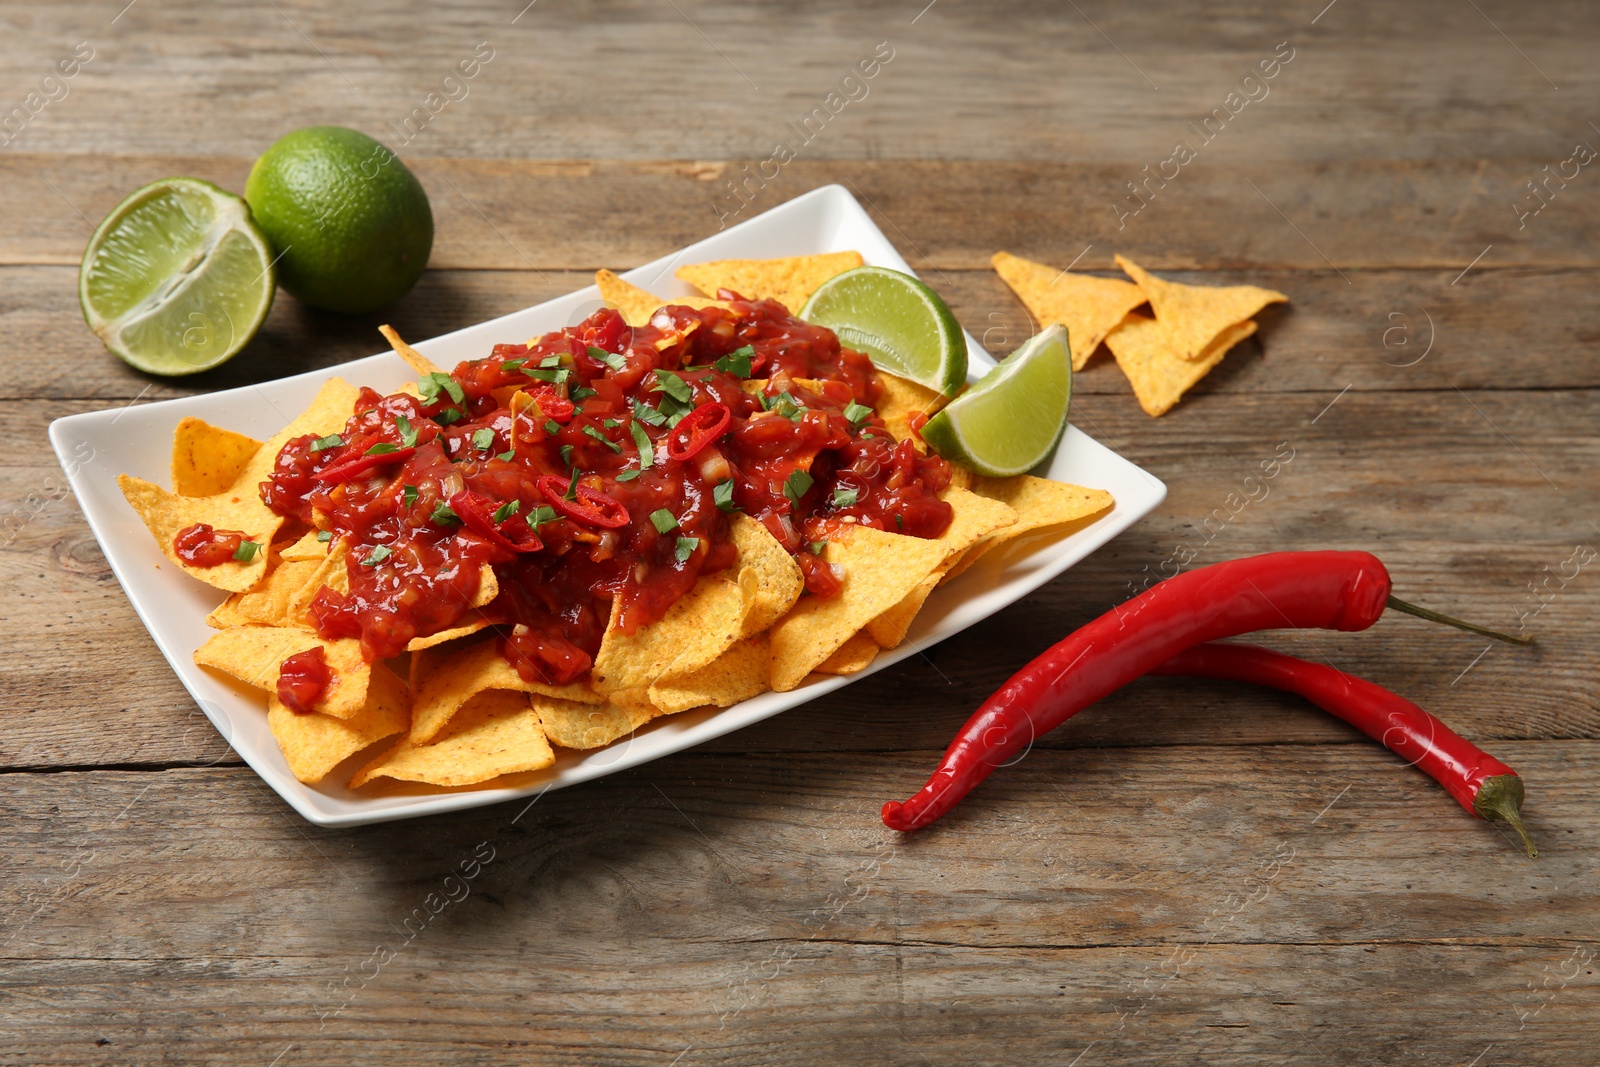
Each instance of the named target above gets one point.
<point>324,536</point>
<point>246,551</point>
<point>566,457</point>
<point>857,413</point>
<point>844,498</point>
<point>647,414</point>
<point>722,495</point>
<point>686,547</point>
<point>542,514</point>
<point>443,515</point>
<point>448,416</point>
<point>817,547</point>
<point>663,520</point>
<point>674,386</point>
<point>408,496</point>
<point>641,440</point>
<point>382,448</point>
<point>506,510</point>
<point>797,485</point>
<point>899,523</point>
<point>737,362</point>
<point>610,424</point>
<point>552,427</point>
<point>543,374</point>
<point>483,439</point>
<point>572,486</point>
<point>408,436</point>
<point>580,394</point>
<point>429,386</point>
<point>512,364</point>
<point>629,475</point>
<point>610,359</point>
<point>592,431</point>
<point>322,444</point>
<point>377,556</point>
<point>550,361</point>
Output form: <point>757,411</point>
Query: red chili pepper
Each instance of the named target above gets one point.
<point>476,513</point>
<point>1480,783</point>
<point>698,429</point>
<point>1298,590</point>
<point>592,507</point>
<point>344,472</point>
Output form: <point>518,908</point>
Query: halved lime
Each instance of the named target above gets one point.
<point>1010,420</point>
<point>899,322</point>
<point>177,278</point>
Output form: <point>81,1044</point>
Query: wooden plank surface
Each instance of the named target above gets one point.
<point>1187,873</point>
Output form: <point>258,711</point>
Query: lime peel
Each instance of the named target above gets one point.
<point>1012,418</point>
<point>898,321</point>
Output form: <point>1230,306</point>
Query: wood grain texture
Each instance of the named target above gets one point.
<point>1189,872</point>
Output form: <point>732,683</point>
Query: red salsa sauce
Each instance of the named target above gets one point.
<point>600,466</point>
<point>202,546</point>
<point>303,678</point>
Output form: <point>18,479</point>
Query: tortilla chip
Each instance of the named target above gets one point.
<point>779,581</point>
<point>444,681</point>
<point>1158,377</point>
<point>975,517</point>
<point>902,399</point>
<point>854,655</point>
<point>165,514</point>
<point>1195,317</point>
<point>496,732</point>
<point>738,674</point>
<point>416,360</point>
<point>330,571</point>
<point>789,281</point>
<point>636,304</point>
<point>227,614</point>
<point>572,725</point>
<point>697,629</point>
<point>277,601</point>
<point>488,587</point>
<point>206,460</point>
<point>1039,503</point>
<point>1087,306</point>
<point>308,548</point>
<point>315,744</point>
<point>879,570</point>
<point>253,654</point>
<point>471,625</point>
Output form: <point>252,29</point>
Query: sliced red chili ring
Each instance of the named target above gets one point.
<point>592,507</point>
<point>343,472</point>
<point>698,429</point>
<point>476,513</point>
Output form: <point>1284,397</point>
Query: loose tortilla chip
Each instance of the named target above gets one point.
<point>168,513</point>
<point>879,570</point>
<point>1087,306</point>
<point>471,625</point>
<point>573,725</point>
<point>488,587</point>
<point>416,360</point>
<point>253,655</point>
<point>1039,503</point>
<point>206,459</point>
<point>636,304</point>
<point>1158,377</point>
<point>696,630</point>
<point>307,549</point>
<point>278,601</point>
<point>902,399</point>
<point>975,517</point>
<point>789,281</point>
<point>444,681</point>
<point>738,674</point>
<point>330,571</point>
<point>496,732</point>
<point>854,656</point>
<point>227,614</point>
<point>315,744</point>
<point>779,581</point>
<point>1195,317</point>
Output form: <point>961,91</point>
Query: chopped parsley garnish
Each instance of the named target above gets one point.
<point>580,394</point>
<point>408,496</point>
<point>448,416</point>
<point>844,498</point>
<point>483,439</point>
<point>591,431</point>
<point>429,386</point>
<point>506,510</point>
<point>507,456</point>
<point>552,427</point>
<point>647,454</point>
<point>610,424</point>
<point>899,523</point>
<point>784,404</point>
<point>664,520</point>
<point>382,448</point>
<point>572,487</point>
<point>629,475</point>
<point>817,547</point>
<point>246,551</point>
<point>324,536</point>
<point>550,361</point>
<point>647,414</point>
<point>555,376</point>
<point>796,486</point>
<point>443,514</point>
<point>566,457</point>
<point>322,444</point>
<point>376,556</point>
<point>857,413</point>
<point>610,359</point>
<point>512,364</point>
<point>722,494</point>
<point>408,436</point>
<point>674,386</point>
<point>542,514</point>
<point>686,547</point>
<point>737,362</point>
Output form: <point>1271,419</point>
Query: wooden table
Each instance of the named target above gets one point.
<point>1189,873</point>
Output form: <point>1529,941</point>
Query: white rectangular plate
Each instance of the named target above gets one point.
<point>97,446</point>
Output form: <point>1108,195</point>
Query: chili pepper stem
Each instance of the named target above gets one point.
<point>1433,616</point>
<point>1499,799</point>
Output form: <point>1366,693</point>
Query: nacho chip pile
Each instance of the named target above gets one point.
<point>450,710</point>
<point>1164,354</point>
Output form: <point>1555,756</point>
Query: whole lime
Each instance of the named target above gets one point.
<point>350,224</point>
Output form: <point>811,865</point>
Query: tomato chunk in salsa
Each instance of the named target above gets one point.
<point>303,678</point>
<point>202,546</point>
<point>596,469</point>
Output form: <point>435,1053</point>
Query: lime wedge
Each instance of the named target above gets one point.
<point>177,278</point>
<point>1011,418</point>
<point>895,319</point>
